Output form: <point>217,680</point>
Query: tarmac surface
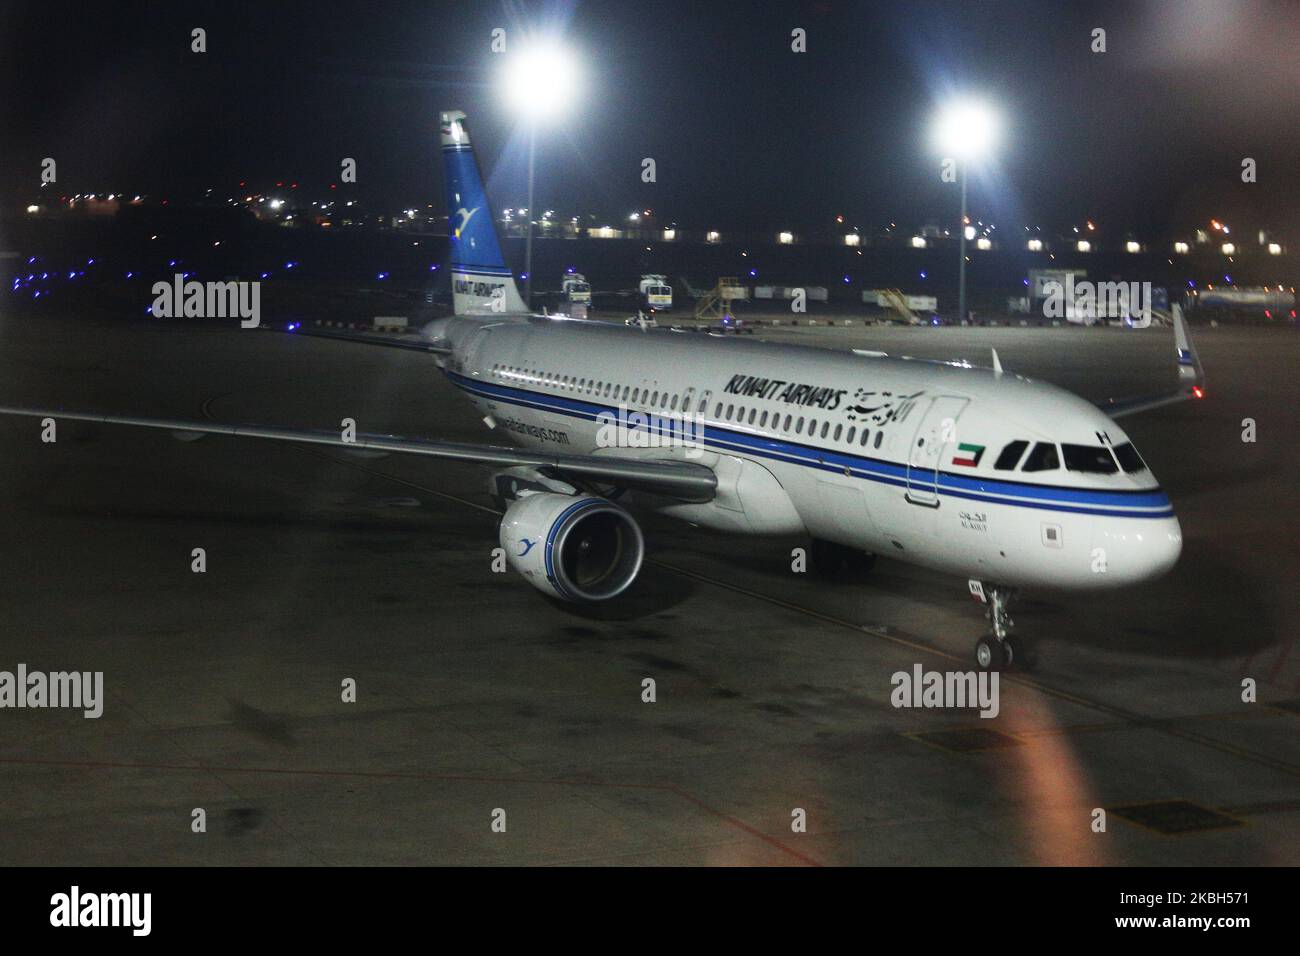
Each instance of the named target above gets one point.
<point>474,694</point>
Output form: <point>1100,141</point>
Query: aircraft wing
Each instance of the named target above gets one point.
<point>423,342</point>
<point>1191,377</point>
<point>689,481</point>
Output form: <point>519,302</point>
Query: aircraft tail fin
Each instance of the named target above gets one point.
<point>481,283</point>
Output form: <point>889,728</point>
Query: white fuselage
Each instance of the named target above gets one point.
<point>782,427</point>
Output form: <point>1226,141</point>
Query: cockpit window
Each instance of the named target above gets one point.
<point>1010,456</point>
<point>1129,459</point>
<point>1042,457</point>
<point>1092,459</point>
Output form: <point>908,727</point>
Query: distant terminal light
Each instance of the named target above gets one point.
<point>969,233</point>
<point>712,236</point>
<point>670,235</point>
<point>852,239</point>
<point>983,243</point>
<point>33,210</point>
<point>918,242</point>
<point>1228,249</point>
<point>1034,245</point>
<point>1132,246</point>
<point>1181,248</point>
<point>1274,249</point>
<point>1083,245</point>
<point>785,238</point>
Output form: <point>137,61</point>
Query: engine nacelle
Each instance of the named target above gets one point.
<point>577,548</point>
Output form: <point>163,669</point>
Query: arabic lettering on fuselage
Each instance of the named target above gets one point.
<point>779,390</point>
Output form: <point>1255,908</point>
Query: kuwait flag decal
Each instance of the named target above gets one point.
<point>968,455</point>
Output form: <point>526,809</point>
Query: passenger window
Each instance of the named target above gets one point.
<point>838,430</point>
<point>798,428</point>
<point>879,435</point>
<point>1090,459</point>
<point>1010,456</point>
<point>1043,457</point>
<point>788,419</point>
<point>826,426</point>
<point>752,413</point>
<point>762,422</point>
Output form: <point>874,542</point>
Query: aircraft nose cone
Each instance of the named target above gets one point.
<point>1139,551</point>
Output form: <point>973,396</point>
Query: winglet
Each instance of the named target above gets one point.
<point>997,363</point>
<point>1190,371</point>
<point>1191,376</point>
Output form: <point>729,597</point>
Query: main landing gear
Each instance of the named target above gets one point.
<point>996,650</point>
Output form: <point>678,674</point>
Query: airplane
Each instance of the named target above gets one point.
<point>976,472</point>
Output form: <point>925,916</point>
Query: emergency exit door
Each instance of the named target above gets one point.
<point>935,432</point>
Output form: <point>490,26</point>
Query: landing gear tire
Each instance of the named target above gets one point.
<point>991,654</point>
<point>1021,651</point>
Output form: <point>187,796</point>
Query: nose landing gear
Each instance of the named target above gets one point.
<point>996,650</point>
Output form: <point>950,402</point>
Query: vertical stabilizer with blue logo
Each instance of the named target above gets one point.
<point>480,282</point>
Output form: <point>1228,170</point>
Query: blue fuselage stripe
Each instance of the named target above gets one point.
<point>1015,493</point>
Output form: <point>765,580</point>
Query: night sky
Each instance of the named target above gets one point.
<point>1149,135</point>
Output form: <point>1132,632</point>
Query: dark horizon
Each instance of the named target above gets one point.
<point>1148,137</point>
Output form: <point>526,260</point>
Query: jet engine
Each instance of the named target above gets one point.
<point>576,548</point>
